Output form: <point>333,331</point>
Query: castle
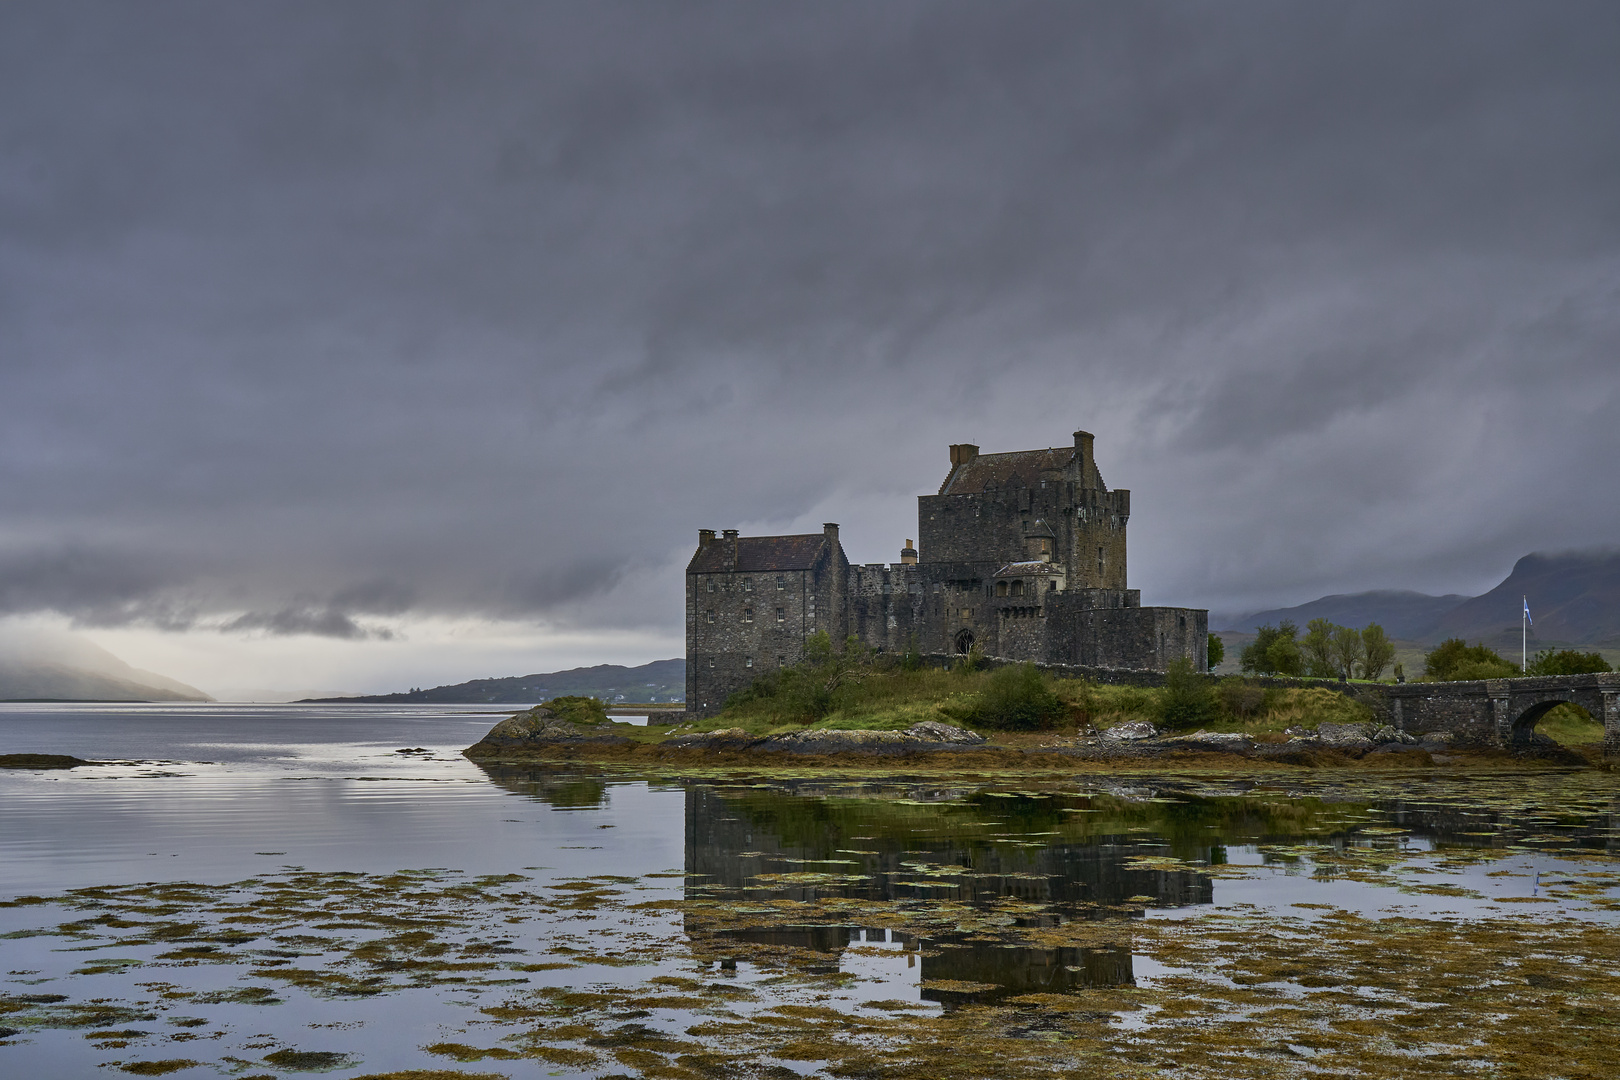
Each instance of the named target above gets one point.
<point>1021,556</point>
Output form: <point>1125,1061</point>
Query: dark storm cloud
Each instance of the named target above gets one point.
<point>484,308</point>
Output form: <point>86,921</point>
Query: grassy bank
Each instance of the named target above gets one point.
<point>898,698</point>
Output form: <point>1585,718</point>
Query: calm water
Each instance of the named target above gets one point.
<point>567,895</point>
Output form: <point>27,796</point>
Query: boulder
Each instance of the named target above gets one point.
<point>538,727</point>
<point>725,739</point>
<point>1229,741</point>
<point>1346,735</point>
<point>1136,729</point>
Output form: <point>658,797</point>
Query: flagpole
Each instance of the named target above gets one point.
<point>1524,638</point>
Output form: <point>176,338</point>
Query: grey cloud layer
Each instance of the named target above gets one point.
<point>312,315</point>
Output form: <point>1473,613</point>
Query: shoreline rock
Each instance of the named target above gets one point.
<point>42,761</point>
<point>928,737</point>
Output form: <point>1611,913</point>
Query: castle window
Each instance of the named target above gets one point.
<point>781,581</point>
<point>1184,622</point>
<point>711,584</point>
<point>708,616</point>
<point>748,584</point>
<point>1046,547</point>
<point>781,661</point>
<point>781,615</point>
<point>967,613</point>
<point>1099,562</point>
<point>1001,588</point>
<point>1051,586</point>
<point>748,661</point>
<point>748,614</point>
<point>1018,588</point>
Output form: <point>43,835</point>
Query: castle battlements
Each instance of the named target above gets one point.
<point>1020,555</point>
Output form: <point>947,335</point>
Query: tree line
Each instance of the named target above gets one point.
<point>1325,651</point>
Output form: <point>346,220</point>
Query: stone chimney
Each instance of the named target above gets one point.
<point>705,538</point>
<point>962,453</point>
<point>730,537</point>
<point>830,530</point>
<point>1084,455</point>
<point>908,554</point>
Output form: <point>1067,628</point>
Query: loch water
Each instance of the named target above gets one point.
<point>273,890</point>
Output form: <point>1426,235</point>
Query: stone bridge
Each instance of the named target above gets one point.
<point>1503,712</point>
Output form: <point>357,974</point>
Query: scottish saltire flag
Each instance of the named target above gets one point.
<point>1527,617</point>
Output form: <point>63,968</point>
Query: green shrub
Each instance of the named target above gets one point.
<point>1240,698</point>
<point>578,710</point>
<point>1217,651</point>
<point>1454,660</point>
<point>1566,662</point>
<point>1015,698</point>
<point>1187,699</point>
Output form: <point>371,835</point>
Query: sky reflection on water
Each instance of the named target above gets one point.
<point>941,890</point>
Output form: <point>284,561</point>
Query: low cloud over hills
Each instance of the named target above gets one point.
<point>36,665</point>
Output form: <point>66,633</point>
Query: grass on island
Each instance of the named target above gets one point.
<point>855,689</point>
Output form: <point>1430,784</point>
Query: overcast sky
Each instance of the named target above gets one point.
<point>366,345</point>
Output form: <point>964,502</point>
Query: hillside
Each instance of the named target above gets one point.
<point>64,667</point>
<point>661,680</point>
<point>1407,615</point>
<point>1574,599</point>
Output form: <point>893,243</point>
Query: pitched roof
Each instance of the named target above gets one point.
<point>756,554</point>
<point>1000,470</point>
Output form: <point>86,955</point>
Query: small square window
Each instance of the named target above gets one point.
<point>711,584</point>
<point>781,581</point>
<point>781,615</point>
<point>748,661</point>
<point>748,584</point>
<point>748,614</point>
<point>709,615</point>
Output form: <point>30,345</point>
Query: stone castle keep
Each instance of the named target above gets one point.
<point>1020,555</point>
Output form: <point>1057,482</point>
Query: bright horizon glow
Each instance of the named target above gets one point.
<point>422,653</point>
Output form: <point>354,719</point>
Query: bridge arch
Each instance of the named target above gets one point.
<point>964,642</point>
<point>1524,724</point>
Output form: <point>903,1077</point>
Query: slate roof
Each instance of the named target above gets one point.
<point>999,470</point>
<point>758,554</point>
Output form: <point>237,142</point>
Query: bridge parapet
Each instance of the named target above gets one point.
<point>1502,712</point>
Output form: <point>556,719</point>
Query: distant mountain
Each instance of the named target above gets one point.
<point>64,667</point>
<point>1409,616</point>
<point>1574,599</point>
<point>661,680</point>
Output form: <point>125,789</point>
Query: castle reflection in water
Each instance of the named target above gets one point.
<point>733,836</point>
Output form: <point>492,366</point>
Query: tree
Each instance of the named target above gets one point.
<point>1217,651</point>
<point>1274,651</point>
<point>1377,651</point>
<point>1346,651</point>
<point>1454,660</point>
<point>1566,662</point>
<point>1318,650</point>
